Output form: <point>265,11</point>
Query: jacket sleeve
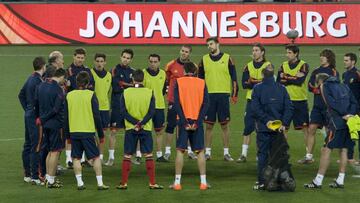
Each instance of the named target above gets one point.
<point>354,106</point>
<point>125,113</point>
<point>22,97</point>
<point>177,105</point>
<point>55,110</point>
<point>204,107</point>
<point>245,81</point>
<point>288,109</point>
<point>294,80</point>
<point>150,112</point>
<point>330,100</point>
<point>257,108</point>
<point>97,117</point>
<point>66,120</point>
<point>312,87</point>
<point>233,75</point>
<point>36,103</point>
<point>201,73</point>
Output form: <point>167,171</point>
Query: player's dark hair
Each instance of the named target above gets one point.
<point>352,56</point>
<point>50,71</point>
<point>321,77</point>
<point>138,75</point>
<point>59,72</point>
<point>295,49</point>
<point>187,46</point>
<point>215,39</point>
<point>190,67</point>
<point>128,51</point>
<point>82,79</point>
<point>268,72</point>
<point>262,48</point>
<point>100,55</point>
<point>154,56</point>
<point>38,63</point>
<point>330,55</point>
<point>52,59</point>
<point>80,51</point>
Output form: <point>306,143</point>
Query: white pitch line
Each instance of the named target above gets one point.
<point>11,139</point>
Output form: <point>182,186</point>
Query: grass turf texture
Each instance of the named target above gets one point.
<point>231,182</point>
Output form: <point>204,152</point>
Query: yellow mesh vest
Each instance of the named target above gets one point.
<point>102,88</point>
<point>217,76</point>
<point>156,84</point>
<point>255,73</point>
<point>296,93</point>
<point>137,102</point>
<point>81,117</point>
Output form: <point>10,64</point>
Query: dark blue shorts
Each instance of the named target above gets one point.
<point>249,120</point>
<point>116,119</point>
<point>171,119</point>
<point>87,144</point>
<point>338,139</point>
<point>318,116</point>
<point>196,139</point>
<point>219,107</point>
<point>131,139</point>
<point>301,114</point>
<point>105,119</point>
<point>158,119</point>
<point>53,140</point>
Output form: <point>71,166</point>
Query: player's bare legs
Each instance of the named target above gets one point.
<point>226,140</point>
<point>202,169</point>
<point>68,162</point>
<point>112,142</point>
<point>168,142</point>
<point>310,143</point>
<point>208,140</point>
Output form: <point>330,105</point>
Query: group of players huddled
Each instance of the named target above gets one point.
<point>67,108</point>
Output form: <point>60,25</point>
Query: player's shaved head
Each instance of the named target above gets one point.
<point>190,68</point>
<point>321,77</point>
<point>38,63</point>
<point>138,76</point>
<point>82,79</point>
<point>268,72</point>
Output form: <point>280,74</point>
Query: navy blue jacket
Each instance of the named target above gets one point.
<point>121,74</point>
<point>270,101</point>
<point>27,92</point>
<point>339,101</point>
<point>318,101</point>
<point>204,107</point>
<point>49,104</point>
<point>351,78</point>
<point>97,120</point>
<point>73,71</point>
<point>127,116</point>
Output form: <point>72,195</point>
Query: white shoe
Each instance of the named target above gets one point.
<point>27,179</point>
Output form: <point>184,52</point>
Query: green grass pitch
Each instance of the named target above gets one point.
<point>231,182</point>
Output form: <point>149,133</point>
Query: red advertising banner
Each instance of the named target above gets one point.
<point>178,23</point>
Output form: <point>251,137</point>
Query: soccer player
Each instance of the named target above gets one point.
<point>292,75</point>
<point>30,156</point>
<point>175,69</point>
<point>252,75</point>
<point>318,112</point>
<point>74,69</point>
<point>269,102</point>
<point>351,78</point>
<point>82,119</point>
<point>154,79</point>
<point>218,70</point>
<point>49,105</point>
<point>56,58</point>
<point>191,103</point>
<point>340,104</point>
<point>102,80</point>
<point>137,106</point>
<point>121,79</point>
